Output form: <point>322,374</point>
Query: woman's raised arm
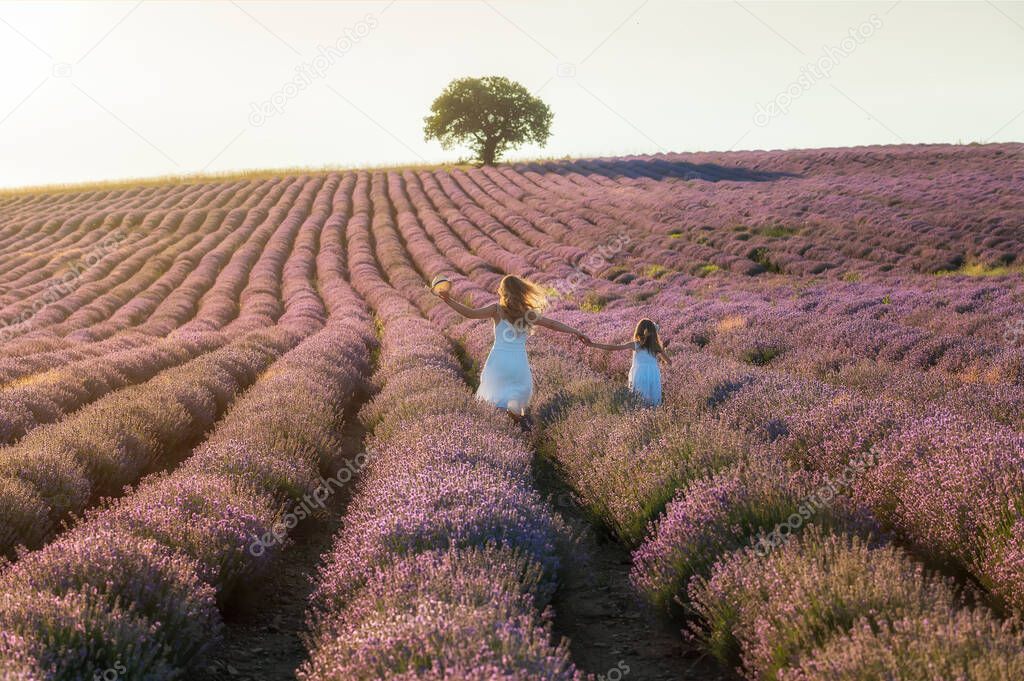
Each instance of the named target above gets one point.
<point>560,327</point>
<point>486,312</point>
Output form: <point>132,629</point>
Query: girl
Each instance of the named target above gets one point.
<point>506,381</point>
<point>645,374</point>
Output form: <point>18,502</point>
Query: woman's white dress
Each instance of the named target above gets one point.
<point>645,375</point>
<point>506,381</point>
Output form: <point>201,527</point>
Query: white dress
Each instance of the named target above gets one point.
<point>506,381</point>
<point>645,375</point>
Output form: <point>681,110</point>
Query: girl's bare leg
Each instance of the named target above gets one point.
<point>524,421</point>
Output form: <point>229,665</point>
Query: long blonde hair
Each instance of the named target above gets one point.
<point>521,300</point>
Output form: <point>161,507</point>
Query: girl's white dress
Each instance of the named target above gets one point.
<point>506,381</point>
<point>645,375</point>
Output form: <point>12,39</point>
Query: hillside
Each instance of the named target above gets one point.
<point>214,393</point>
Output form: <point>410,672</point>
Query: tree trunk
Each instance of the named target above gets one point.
<point>488,150</point>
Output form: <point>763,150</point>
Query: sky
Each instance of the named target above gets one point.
<point>95,91</point>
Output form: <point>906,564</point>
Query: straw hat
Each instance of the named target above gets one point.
<point>441,284</point>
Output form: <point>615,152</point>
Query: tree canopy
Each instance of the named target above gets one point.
<point>490,115</point>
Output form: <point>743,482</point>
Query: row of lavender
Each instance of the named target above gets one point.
<point>49,376</point>
<point>780,570</point>
<point>557,197</point>
<point>945,329</point>
<point>92,308</point>
<point>694,198</point>
<point>966,328</point>
<point>106,244</point>
<point>27,209</point>
<point>45,226</point>
<point>990,542</point>
<point>62,469</point>
<point>855,337</point>
<point>843,211</point>
<point>984,542</point>
<point>990,553</point>
<point>788,497</point>
<point>419,254</point>
<point>135,586</point>
<point>448,556</point>
<point>950,477</point>
<point>921,322</point>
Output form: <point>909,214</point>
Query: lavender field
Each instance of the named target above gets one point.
<point>238,436</point>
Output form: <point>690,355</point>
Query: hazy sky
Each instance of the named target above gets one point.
<point>125,89</point>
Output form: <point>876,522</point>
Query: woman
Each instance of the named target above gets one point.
<point>506,381</point>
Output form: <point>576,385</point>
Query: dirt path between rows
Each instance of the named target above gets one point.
<point>264,627</point>
<point>611,632</point>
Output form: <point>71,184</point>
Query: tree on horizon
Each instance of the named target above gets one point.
<point>490,115</point>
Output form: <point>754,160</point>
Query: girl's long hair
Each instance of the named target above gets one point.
<point>521,301</point>
<point>646,334</point>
